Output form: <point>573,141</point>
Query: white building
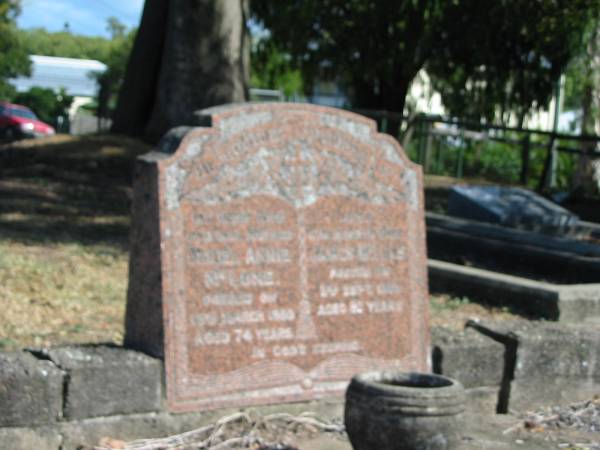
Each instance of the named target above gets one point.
<point>76,76</point>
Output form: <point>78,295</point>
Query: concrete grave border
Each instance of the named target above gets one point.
<point>570,302</point>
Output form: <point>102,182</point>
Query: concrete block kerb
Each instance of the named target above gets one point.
<point>537,298</point>
<point>103,381</point>
<point>31,391</point>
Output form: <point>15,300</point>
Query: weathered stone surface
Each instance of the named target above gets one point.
<point>102,381</point>
<point>30,390</point>
<point>290,243</point>
<point>579,302</point>
<point>554,363</point>
<point>483,399</point>
<point>42,438</point>
<point>468,356</point>
<point>509,206</point>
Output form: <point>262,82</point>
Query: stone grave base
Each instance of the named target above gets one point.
<point>75,396</point>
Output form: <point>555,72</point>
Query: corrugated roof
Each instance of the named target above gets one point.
<point>91,64</point>
<point>76,76</point>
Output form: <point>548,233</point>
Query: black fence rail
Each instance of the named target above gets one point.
<point>539,159</point>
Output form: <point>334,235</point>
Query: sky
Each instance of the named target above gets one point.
<point>83,16</point>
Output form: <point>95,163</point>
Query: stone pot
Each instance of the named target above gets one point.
<point>403,411</point>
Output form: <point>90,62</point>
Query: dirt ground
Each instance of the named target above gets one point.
<point>64,224</point>
<point>555,428</point>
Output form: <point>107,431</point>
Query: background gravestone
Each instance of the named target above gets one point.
<point>509,206</point>
<point>283,249</point>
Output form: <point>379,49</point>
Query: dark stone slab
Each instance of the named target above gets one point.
<point>104,381</point>
<point>523,253</point>
<point>511,207</point>
<point>31,391</point>
<point>283,250</point>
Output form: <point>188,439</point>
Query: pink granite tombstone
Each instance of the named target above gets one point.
<point>275,254</point>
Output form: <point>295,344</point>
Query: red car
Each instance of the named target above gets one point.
<point>17,121</point>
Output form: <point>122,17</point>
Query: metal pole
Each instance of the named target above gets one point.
<point>550,180</point>
<point>525,159</point>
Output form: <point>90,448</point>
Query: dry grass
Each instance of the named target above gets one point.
<point>61,293</point>
<point>452,312</point>
<point>64,222</point>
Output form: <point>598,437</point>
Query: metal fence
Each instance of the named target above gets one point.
<point>539,159</point>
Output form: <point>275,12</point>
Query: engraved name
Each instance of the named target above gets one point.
<point>234,279</point>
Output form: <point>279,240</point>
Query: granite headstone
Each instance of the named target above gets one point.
<point>275,253</point>
<point>511,207</point>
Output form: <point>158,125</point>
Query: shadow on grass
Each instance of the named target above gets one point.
<point>32,231</point>
<point>75,190</point>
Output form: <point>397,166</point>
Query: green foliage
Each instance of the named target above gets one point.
<point>485,56</point>
<point>9,11</point>
<point>440,303</point>
<point>582,79</point>
<point>509,56</point>
<point>494,161</point>
<point>116,60</point>
<point>272,69</point>
<point>14,59</point>
<point>47,104</point>
<point>374,48</point>
<point>499,162</point>
<point>39,41</point>
<point>116,29</point>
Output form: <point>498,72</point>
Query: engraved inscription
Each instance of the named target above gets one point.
<point>228,278</point>
<point>249,256</point>
<point>227,299</point>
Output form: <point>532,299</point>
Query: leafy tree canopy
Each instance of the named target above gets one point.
<point>483,54</point>
<point>510,54</point>
<point>116,59</point>
<point>272,69</point>
<point>14,59</point>
<point>39,41</point>
<point>375,48</point>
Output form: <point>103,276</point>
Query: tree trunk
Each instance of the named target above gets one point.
<point>586,180</point>
<point>138,91</point>
<point>205,61</point>
<point>386,96</point>
<point>188,55</point>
